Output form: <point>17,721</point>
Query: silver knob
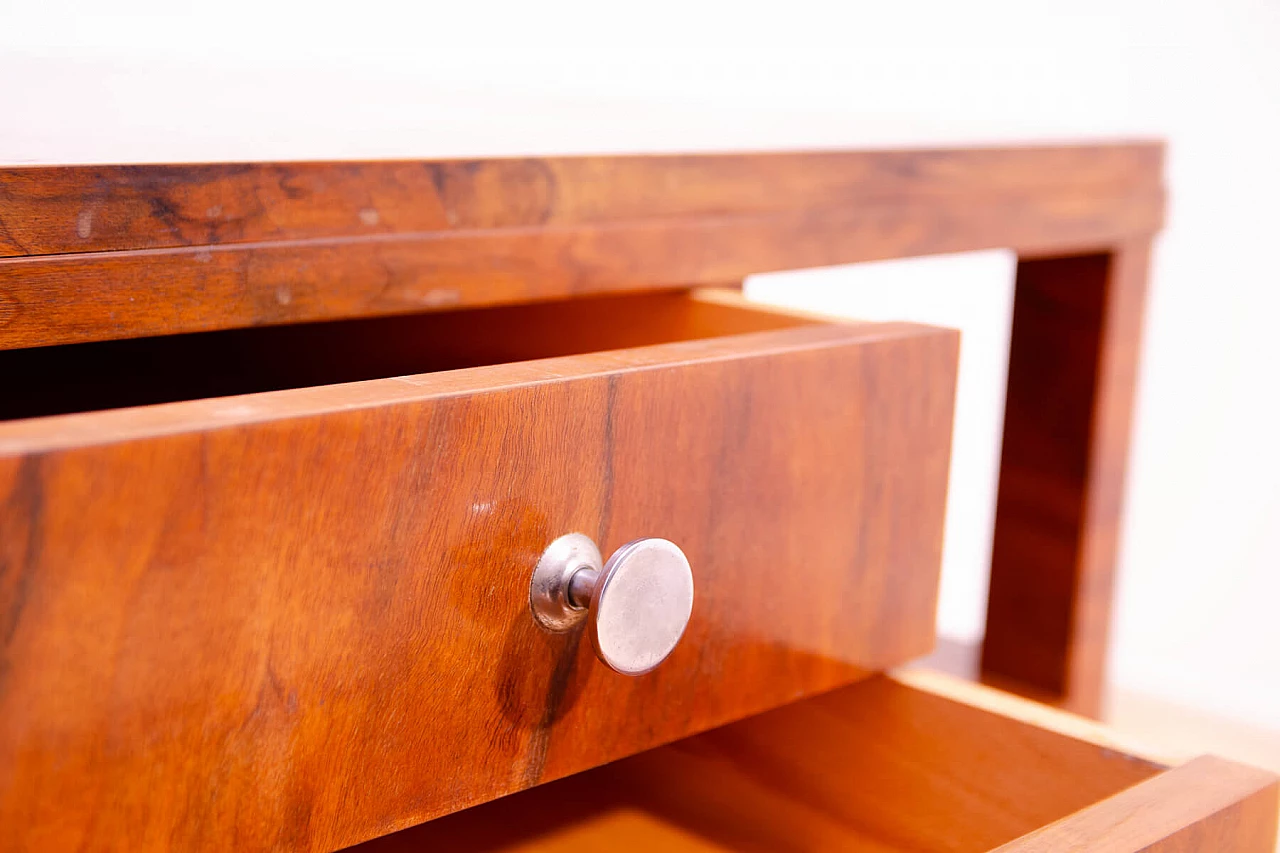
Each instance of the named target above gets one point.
<point>636,605</point>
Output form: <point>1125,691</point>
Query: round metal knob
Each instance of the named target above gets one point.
<point>636,605</point>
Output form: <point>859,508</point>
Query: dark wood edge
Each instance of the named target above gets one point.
<point>1073,369</point>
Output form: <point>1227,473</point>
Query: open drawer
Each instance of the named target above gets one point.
<point>915,762</point>
<point>299,618</point>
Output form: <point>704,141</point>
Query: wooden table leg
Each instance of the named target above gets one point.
<point>1077,325</point>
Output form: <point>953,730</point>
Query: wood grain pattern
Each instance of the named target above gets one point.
<point>97,253</point>
<point>1206,804</point>
<point>1077,325</point>
<point>66,209</point>
<point>310,242</point>
<point>297,620</point>
<point>876,766</point>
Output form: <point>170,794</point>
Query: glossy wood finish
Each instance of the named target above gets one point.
<point>1207,804</point>
<point>90,253</point>
<point>109,252</point>
<point>64,209</point>
<point>299,619</point>
<point>878,766</point>
<point>1077,325</point>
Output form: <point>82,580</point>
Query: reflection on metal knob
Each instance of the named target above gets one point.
<point>637,604</point>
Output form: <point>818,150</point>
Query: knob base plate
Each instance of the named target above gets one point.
<point>549,589</point>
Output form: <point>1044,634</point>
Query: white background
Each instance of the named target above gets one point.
<point>1197,620</point>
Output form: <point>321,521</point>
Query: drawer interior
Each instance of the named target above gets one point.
<point>878,766</point>
<point>116,374</point>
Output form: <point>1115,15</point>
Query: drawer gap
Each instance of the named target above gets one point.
<point>143,371</point>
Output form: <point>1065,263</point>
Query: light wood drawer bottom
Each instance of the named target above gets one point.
<point>889,764</point>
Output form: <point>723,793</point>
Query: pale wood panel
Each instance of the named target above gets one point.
<point>878,766</point>
<point>1206,804</point>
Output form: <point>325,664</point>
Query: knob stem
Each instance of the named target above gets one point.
<point>581,585</point>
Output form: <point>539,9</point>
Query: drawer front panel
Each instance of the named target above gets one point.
<point>302,620</point>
